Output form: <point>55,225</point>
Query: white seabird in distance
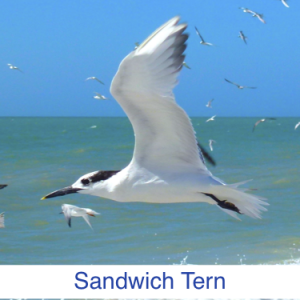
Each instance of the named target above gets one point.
<point>209,103</point>
<point>240,86</point>
<point>100,97</point>
<point>243,37</point>
<point>260,121</point>
<point>94,78</point>
<point>14,68</point>
<point>202,42</point>
<point>211,145</point>
<point>74,211</point>
<point>211,119</point>
<point>166,166</point>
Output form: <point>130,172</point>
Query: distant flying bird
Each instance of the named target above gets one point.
<point>2,220</point>
<point>100,97</point>
<point>166,166</point>
<point>211,144</point>
<point>260,121</point>
<point>260,17</point>
<point>202,42</point>
<point>211,119</point>
<point>209,103</point>
<point>243,37</point>
<point>94,78</point>
<point>185,65</point>
<point>284,3</point>
<point>240,86</point>
<point>297,125</point>
<point>14,67</point>
<point>74,211</point>
<point>136,45</point>
<point>2,186</point>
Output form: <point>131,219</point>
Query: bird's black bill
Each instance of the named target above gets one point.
<point>65,191</point>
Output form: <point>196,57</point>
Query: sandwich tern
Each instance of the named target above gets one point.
<point>14,67</point>
<point>2,220</point>
<point>94,78</point>
<point>74,211</point>
<point>202,42</point>
<point>166,166</point>
<point>240,86</point>
<point>2,186</point>
<point>211,119</point>
<point>100,97</point>
<point>211,145</point>
<point>243,37</point>
<point>297,125</point>
<point>260,121</point>
<point>259,17</point>
<point>209,103</point>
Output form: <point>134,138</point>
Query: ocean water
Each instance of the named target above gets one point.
<point>40,155</point>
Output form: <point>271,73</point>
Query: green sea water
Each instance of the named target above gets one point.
<point>40,155</point>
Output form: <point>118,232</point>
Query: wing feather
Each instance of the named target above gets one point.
<point>143,86</point>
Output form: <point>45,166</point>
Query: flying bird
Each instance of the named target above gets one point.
<point>259,17</point>
<point>185,65</point>
<point>94,78</point>
<point>100,97</point>
<point>2,220</point>
<point>74,211</point>
<point>284,3</point>
<point>243,37</point>
<point>240,86</point>
<point>14,68</point>
<point>202,42</point>
<point>260,121</point>
<point>211,144</point>
<point>166,166</point>
<point>297,125</point>
<point>136,45</point>
<point>211,119</point>
<point>209,103</point>
<point>2,186</point>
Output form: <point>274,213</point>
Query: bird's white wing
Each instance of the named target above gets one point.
<point>86,218</point>
<point>164,136</point>
<point>284,3</point>
<point>67,210</point>
<point>2,220</point>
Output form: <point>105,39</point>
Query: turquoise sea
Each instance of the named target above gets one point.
<point>40,155</point>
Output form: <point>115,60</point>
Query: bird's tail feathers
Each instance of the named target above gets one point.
<point>247,204</point>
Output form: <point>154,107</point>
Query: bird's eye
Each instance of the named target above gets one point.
<point>85,181</point>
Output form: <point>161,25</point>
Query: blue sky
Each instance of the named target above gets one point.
<point>58,44</point>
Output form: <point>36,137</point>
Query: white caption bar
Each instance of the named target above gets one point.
<point>150,282</point>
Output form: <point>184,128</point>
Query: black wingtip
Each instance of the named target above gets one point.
<point>207,156</point>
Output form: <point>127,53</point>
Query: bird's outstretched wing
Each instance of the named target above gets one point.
<point>231,82</point>
<point>250,87</point>
<point>164,136</point>
<point>200,36</point>
<point>2,186</point>
<point>259,121</point>
<point>86,218</point>
<point>284,3</point>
